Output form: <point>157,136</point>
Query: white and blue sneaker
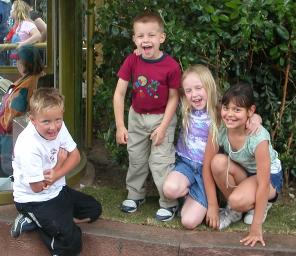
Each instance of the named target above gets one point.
<point>22,224</point>
<point>130,205</point>
<point>166,214</point>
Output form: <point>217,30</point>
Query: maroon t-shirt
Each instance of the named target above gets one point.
<point>151,80</point>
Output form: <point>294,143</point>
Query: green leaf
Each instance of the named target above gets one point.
<point>282,32</point>
<point>209,9</point>
<point>283,47</point>
<point>215,18</point>
<point>273,51</point>
<point>293,43</point>
<point>223,17</point>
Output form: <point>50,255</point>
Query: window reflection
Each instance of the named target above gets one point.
<point>18,28</point>
<point>22,22</point>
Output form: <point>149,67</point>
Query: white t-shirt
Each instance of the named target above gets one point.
<point>32,155</point>
<point>24,28</point>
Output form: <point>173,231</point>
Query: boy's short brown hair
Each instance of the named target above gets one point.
<point>149,16</point>
<point>45,98</point>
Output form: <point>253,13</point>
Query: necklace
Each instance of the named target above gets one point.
<point>228,167</point>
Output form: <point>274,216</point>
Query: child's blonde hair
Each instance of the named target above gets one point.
<point>45,98</point>
<point>149,16</point>
<point>209,84</point>
<point>21,10</point>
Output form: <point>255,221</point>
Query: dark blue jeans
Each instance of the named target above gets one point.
<point>6,147</point>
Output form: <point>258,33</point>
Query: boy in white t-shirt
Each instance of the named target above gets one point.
<point>43,154</point>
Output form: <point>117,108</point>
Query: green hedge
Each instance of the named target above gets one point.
<point>253,41</point>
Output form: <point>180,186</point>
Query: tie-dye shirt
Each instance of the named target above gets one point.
<point>197,136</point>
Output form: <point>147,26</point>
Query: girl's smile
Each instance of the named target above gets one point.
<point>234,116</point>
<point>195,92</point>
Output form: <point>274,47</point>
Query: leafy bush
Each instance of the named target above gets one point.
<point>252,41</point>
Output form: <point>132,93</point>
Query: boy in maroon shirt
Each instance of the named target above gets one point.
<point>155,78</point>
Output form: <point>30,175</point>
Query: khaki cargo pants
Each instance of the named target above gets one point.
<point>143,155</point>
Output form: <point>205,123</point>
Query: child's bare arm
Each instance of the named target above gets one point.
<point>212,217</point>
<point>60,170</point>
<point>263,180</point>
<point>35,36</point>
<point>118,105</point>
<point>159,133</point>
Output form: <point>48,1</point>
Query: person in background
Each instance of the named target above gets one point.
<point>5,7</point>
<point>24,30</point>
<point>37,19</point>
<point>15,101</point>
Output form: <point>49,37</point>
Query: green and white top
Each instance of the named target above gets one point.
<point>246,155</point>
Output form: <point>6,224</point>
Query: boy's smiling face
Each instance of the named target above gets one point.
<point>148,36</point>
<point>48,122</point>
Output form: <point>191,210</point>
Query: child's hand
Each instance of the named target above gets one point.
<point>137,52</point>
<point>49,176</point>
<point>212,217</point>
<point>45,185</point>
<point>253,125</point>
<point>254,236</point>
<point>121,135</point>
<point>157,136</point>
<point>61,157</point>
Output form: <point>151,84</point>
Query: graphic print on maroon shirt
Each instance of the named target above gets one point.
<point>151,80</point>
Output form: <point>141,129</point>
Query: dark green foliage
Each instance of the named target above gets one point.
<point>253,41</point>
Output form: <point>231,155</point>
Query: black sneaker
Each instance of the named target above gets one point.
<point>166,214</point>
<point>130,206</point>
<point>21,224</point>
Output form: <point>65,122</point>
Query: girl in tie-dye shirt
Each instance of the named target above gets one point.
<point>199,111</point>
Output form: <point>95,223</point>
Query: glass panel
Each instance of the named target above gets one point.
<point>9,73</point>
<point>14,31</point>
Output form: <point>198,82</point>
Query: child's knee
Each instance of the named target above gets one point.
<point>219,164</point>
<point>170,189</point>
<point>96,213</point>
<point>236,201</point>
<point>190,222</point>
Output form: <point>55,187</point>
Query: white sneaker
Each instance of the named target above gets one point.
<point>166,214</point>
<point>248,219</point>
<point>130,205</point>
<point>228,216</point>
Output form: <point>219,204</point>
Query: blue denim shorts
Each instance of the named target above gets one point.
<point>276,180</point>
<point>193,171</point>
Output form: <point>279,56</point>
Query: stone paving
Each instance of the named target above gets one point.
<point>112,238</point>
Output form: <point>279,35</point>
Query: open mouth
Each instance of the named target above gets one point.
<point>230,121</point>
<point>147,49</point>
<point>197,101</point>
<point>51,134</point>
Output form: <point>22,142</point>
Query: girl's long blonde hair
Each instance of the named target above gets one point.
<point>209,84</point>
<point>21,10</point>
